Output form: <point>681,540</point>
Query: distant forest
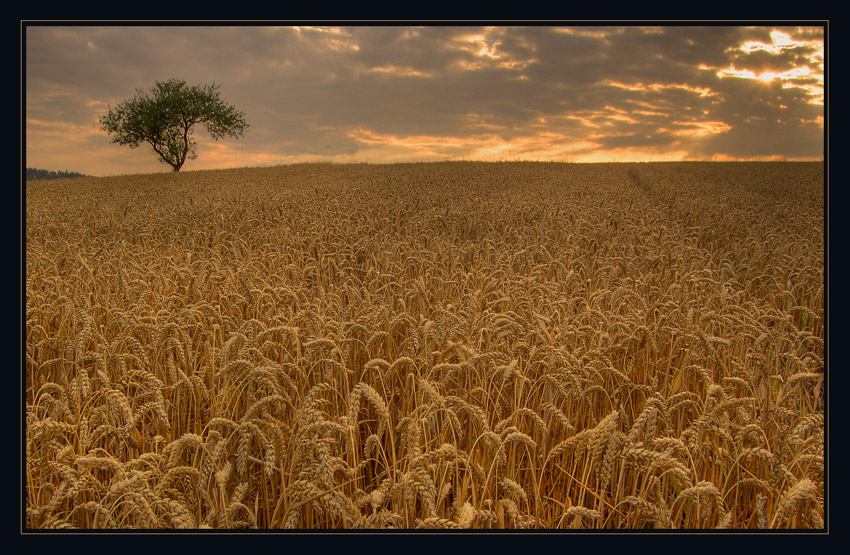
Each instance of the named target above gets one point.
<point>33,173</point>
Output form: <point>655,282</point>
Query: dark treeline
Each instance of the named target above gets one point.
<point>33,173</point>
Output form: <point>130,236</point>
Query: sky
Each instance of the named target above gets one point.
<point>386,93</point>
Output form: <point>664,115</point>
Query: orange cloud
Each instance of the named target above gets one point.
<point>539,146</point>
<point>403,71</point>
<point>808,76</point>
<point>702,129</point>
<point>656,87</point>
<point>771,158</point>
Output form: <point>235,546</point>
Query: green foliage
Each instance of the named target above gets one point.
<point>33,174</point>
<point>164,119</point>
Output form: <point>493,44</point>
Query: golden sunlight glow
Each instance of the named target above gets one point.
<point>796,73</point>
<point>528,95</point>
<point>405,71</point>
<point>218,155</point>
<point>595,33</point>
<point>540,146</point>
<point>319,29</point>
<point>545,146</point>
<point>809,78</point>
<point>485,49</point>
<point>789,79</point>
<point>483,121</point>
<point>478,45</point>
<point>781,41</point>
<point>649,113</point>
<point>64,144</point>
<point>721,157</point>
<point>657,87</point>
<point>741,73</point>
<point>610,115</point>
<point>702,129</point>
<point>426,144</point>
<point>336,39</point>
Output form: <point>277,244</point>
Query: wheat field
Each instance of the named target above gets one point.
<point>462,345</point>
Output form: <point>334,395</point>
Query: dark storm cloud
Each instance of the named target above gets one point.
<point>402,91</point>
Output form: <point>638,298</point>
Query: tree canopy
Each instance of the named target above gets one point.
<point>37,173</point>
<point>165,116</point>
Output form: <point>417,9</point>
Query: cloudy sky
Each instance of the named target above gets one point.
<point>396,93</point>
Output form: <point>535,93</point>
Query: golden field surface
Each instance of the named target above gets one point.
<point>509,345</point>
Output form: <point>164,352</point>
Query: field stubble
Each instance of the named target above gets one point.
<point>451,345</point>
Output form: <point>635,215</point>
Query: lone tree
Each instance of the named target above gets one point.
<point>165,118</point>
